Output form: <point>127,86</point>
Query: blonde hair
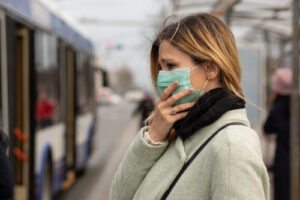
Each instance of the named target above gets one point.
<point>205,38</point>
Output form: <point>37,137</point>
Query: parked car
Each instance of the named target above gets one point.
<point>134,95</point>
<point>106,96</point>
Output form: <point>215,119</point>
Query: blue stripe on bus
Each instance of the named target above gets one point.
<point>91,131</point>
<point>40,177</point>
<point>57,172</point>
<point>80,156</point>
<point>83,153</point>
<point>58,178</point>
<point>83,150</point>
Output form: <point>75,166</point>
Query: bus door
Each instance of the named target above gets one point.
<point>70,118</point>
<point>21,148</point>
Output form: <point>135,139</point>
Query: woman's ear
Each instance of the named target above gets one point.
<point>212,70</point>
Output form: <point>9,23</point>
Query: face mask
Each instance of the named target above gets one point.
<point>166,78</point>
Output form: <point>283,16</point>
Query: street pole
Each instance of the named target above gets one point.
<point>282,43</point>
<point>295,111</point>
<point>269,69</point>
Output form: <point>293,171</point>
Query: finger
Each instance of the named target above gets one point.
<point>176,97</point>
<point>168,91</point>
<point>183,107</point>
<point>179,116</point>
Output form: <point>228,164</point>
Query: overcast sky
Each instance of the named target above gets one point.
<point>127,26</point>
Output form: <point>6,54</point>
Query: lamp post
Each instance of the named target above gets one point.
<point>295,109</point>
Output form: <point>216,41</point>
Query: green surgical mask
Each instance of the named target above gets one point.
<point>166,78</point>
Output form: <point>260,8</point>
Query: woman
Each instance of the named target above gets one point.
<point>278,122</point>
<point>198,54</point>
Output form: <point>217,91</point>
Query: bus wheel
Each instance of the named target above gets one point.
<point>47,183</point>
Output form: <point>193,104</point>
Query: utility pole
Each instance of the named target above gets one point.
<point>295,109</point>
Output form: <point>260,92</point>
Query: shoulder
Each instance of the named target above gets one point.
<point>243,137</point>
<point>238,141</point>
<point>239,154</point>
<point>238,168</point>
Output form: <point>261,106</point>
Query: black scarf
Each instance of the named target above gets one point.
<point>207,110</point>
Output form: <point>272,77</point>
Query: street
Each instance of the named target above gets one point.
<point>115,130</point>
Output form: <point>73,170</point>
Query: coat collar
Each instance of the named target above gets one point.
<point>187,147</point>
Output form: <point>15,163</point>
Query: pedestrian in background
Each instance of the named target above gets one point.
<point>278,122</point>
<point>199,144</point>
<point>145,107</point>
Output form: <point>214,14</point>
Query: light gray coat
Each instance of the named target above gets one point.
<point>229,167</point>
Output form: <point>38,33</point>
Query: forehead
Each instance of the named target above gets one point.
<point>168,51</point>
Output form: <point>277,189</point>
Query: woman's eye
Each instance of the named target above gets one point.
<point>170,66</point>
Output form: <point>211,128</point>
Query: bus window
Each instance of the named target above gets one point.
<point>84,85</point>
<point>70,136</point>
<point>47,107</point>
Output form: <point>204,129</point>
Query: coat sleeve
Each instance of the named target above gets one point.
<point>138,160</point>
<point>238,170</point>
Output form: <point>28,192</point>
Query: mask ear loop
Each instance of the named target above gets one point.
<point>204,84</point>
<point>194,67</point>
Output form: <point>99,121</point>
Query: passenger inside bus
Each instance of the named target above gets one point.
<point>44,110</point>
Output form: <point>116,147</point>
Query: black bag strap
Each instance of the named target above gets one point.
<point>186,165</point>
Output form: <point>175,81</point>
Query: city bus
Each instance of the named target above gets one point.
<point>47,103</point>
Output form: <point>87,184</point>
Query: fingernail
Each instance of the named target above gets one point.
<point>175,83</point>
<point>191,90</point>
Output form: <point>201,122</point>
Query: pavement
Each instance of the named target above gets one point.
<point>119,149</point>
<point>115,130</point>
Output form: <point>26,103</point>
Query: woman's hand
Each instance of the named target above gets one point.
<point>166,115</point>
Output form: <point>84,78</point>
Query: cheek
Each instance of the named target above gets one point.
<point>197,80</point>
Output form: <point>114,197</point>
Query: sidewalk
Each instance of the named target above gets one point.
<point>102,186</point>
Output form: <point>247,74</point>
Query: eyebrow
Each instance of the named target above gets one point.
<point>164,60</point>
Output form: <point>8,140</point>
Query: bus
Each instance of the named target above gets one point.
<point>47,105</point>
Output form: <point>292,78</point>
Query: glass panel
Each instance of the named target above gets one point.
<point>48,101</point>
<point>70,142</point>
<point>84,84</point>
